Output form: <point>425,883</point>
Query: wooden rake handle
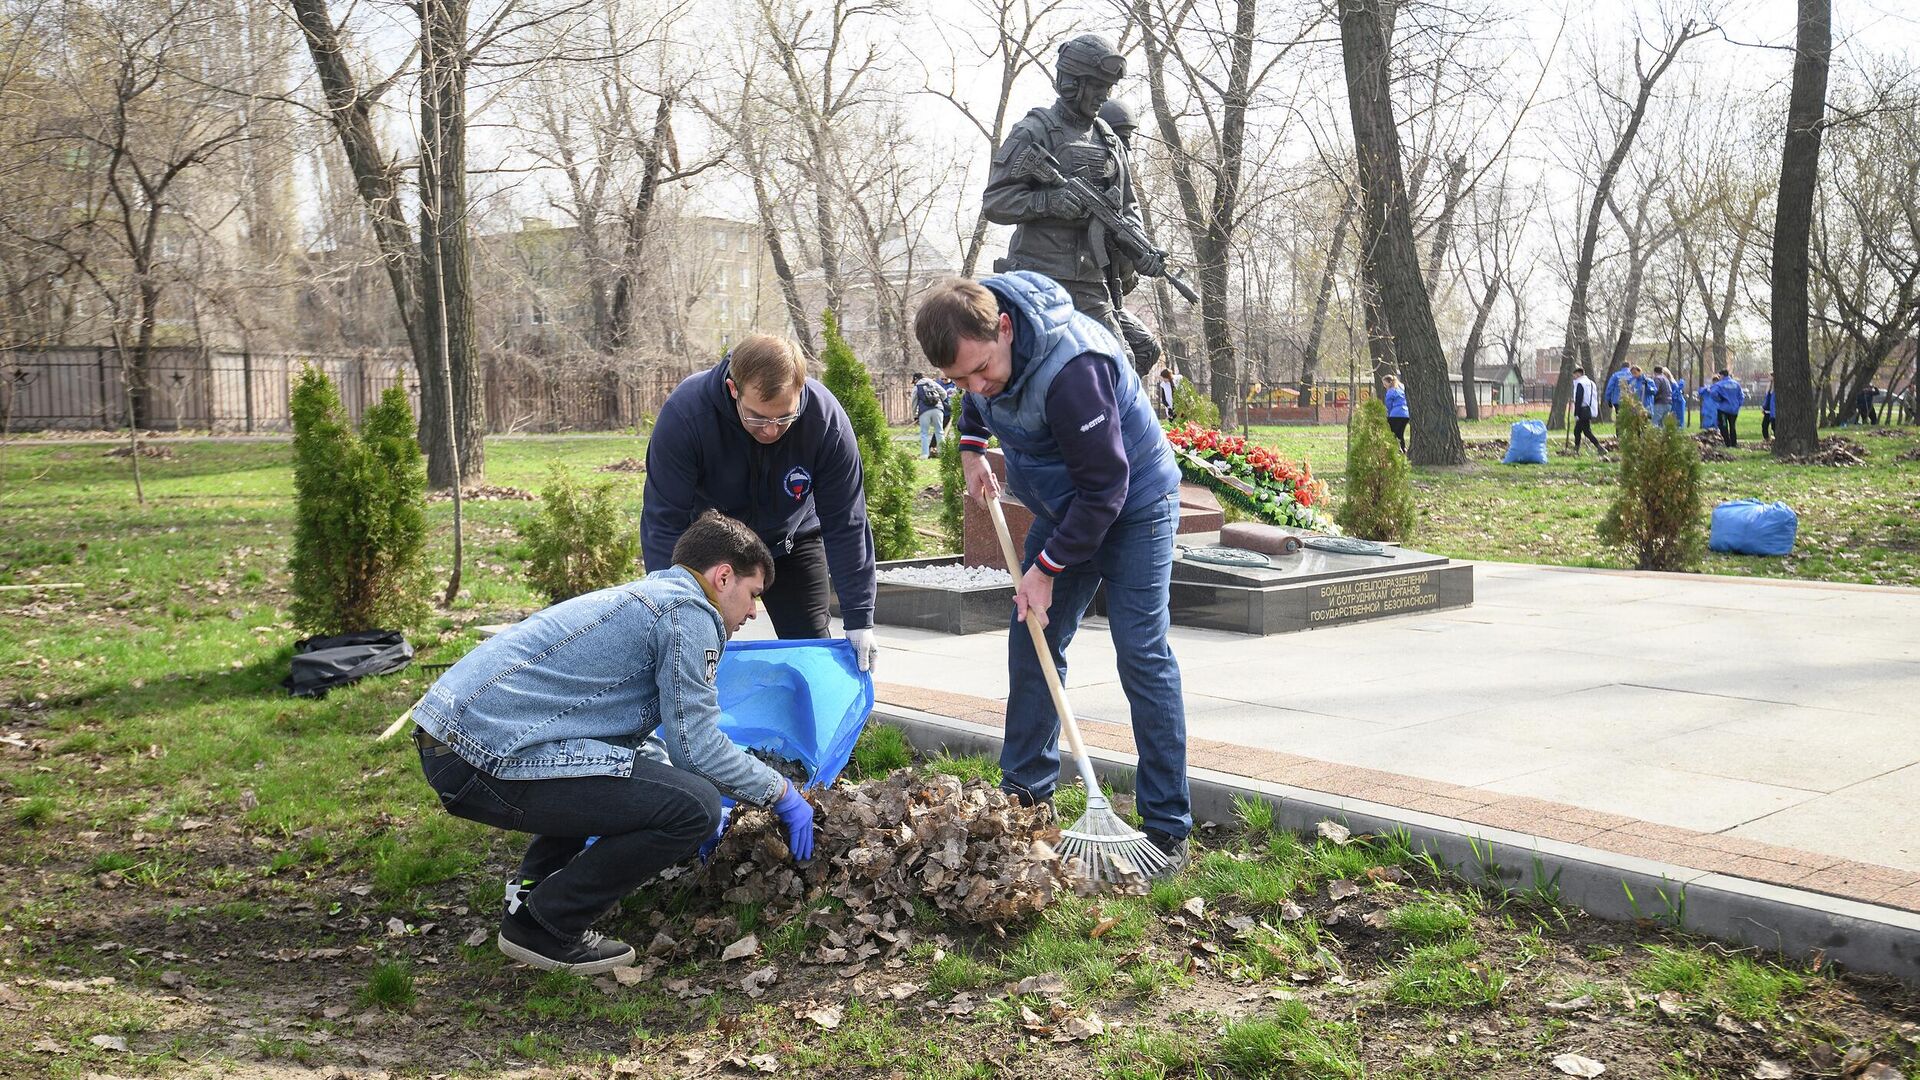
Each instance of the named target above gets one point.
<point>1044,654</point>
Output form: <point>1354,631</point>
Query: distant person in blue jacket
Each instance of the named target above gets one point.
<point>755,439</point>
<point>1396,402</point>
<point>1679,400</point>
<point>1643,385</point>
<point>1766,415</point>
<point>1727,399</point>
<point>1615,382</point>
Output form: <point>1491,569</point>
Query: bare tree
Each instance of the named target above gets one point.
<point>1576,349</point>
<point>1365,33</point>
<point>1795,430</point>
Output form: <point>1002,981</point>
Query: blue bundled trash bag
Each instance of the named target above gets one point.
<point>802,700</point>
<point>1527,443</point>
<point>1751,527</point>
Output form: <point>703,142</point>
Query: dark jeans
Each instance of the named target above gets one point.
<point>1399,426</point>
<point>1583,426</point>
<point>1730,428</point>
<point>798,602</point>
<point>645,823</point>
<point>1766,425</point>
<point>1135,562</point>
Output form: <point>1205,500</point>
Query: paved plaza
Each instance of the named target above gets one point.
<point>1761,728</point>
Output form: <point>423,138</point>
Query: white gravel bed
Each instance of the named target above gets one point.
<point>951,576</point>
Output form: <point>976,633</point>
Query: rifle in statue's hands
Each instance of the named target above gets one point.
<point>1034,163</point>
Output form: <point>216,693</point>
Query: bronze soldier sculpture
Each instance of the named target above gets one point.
<point>1140,340</point>
<point>1061,179</point>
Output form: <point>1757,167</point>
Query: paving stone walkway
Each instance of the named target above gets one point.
<point>1769,730</point>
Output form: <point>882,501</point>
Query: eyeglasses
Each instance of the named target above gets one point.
<point>761,422</point>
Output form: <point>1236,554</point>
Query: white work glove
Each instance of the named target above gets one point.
<point>865,649</point>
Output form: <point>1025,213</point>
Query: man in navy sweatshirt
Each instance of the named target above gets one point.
<point>757,440</point>
<point>1086,455</point>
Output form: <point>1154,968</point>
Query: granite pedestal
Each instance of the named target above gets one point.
<point>1313,588</point>
<point>942,609</point>
<point>1199,513</point>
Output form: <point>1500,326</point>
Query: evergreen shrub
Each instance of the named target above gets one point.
<point>888,464</point>
<point>1378,501</point>
<point>1190,406</point>
<point>1657,513</point>
<point>360,513</point>
<point>580,540</point>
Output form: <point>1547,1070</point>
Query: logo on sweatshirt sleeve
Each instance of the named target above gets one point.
<point>713,666</point>
<point>798,482</point>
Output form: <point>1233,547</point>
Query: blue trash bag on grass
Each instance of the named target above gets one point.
<point>802,700</point>
<point>1527,443</point>
<point>1751,527</point>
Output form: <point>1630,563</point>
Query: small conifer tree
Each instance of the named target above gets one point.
<point>887,463</point>
<point>1657,507</point>
<point>1378,501</point>
<point>360,525</point>
<point>953,490</point>
<point>580,540</point>
<point>1190,406</point>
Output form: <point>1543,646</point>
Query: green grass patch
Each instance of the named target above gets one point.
<point>1447,974</point>
<point>390,987</point>
<point>1747,988</point>
<point>1147,1054</point>
<point>1291,1044</point>
<point>1428,920</point>
<point>881,749</point>
<point>966,767</point>
<point>957,971</point>
<point>1255,882</point>
<point>34,812</point>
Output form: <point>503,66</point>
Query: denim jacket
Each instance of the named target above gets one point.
<point>574,689</point>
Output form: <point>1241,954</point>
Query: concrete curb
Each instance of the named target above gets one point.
<point>1792,922</point>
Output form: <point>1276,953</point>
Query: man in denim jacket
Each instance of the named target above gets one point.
<point>536,731</point>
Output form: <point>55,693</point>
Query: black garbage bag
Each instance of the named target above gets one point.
<point>322,663</point>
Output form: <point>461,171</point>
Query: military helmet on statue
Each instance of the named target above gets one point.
<point>1089,56</point>
<point>1119,116</point>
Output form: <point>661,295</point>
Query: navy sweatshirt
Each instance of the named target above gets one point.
<point>810,481</point>
<point>1095,456</point>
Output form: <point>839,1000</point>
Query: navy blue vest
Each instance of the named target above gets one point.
<point>1036,469</point>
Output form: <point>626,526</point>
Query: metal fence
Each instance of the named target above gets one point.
<point>193,389</point>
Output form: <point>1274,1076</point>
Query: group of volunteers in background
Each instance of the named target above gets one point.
<point>755,494</point>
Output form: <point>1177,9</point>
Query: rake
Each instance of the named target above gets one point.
<point>1108,848</point>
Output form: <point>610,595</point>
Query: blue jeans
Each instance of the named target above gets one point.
<point>1658,414</point>
<point>929,429</point>
<point>1136,563</point>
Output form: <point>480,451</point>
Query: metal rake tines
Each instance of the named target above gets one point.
<point>1114,857</point>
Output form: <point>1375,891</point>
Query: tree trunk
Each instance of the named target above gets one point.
<point>350,111</point>
<point>1403,292</point>
<point>1310,360</point>
<point>1471,350</point>
<point>626,285</point>
<point>1795,431</point>
<point>446,256</point>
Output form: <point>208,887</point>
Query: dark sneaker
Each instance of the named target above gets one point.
<point>530,943</point>
<point>1174,848</point>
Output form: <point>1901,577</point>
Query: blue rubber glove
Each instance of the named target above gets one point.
<point>797,812</point>
<point>726,815</point>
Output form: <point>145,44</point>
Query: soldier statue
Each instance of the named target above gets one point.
<point>1062,180</point>
<point>1140,340</point>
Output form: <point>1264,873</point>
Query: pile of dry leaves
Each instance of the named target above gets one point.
<point>1837,450</point>
<point>147,450</point>
<point>625,464</point>
<point>965,848</point>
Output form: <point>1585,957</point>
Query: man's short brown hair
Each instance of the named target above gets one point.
<point>954,309</point>
<point>771,365</point>
<point>715,538</point>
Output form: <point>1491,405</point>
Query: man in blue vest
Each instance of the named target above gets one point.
<point>1727,399</point>
<point>1086,455</point>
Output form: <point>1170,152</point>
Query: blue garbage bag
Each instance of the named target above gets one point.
<point>1751,527</point>
<point>1527,443</point>
<point>802,700</point>
<point>1709,411</point>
